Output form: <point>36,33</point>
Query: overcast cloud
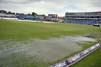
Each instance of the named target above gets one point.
<point>50,6</point>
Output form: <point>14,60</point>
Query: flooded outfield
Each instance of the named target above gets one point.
<point>48,50</point>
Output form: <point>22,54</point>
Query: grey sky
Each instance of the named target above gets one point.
<point>50,6</point>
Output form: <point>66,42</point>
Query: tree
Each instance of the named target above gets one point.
<point>28,14</point>
<point>34,14</point>
<point>3,11</point>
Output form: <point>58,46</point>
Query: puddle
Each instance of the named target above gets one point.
<point>46,50</point>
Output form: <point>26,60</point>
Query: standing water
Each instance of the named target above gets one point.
<point>49,50</point>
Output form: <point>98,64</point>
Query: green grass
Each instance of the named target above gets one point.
<point>93,60</point>
<point>21,30</point>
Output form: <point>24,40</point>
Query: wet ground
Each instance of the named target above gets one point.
<point>46,50</point>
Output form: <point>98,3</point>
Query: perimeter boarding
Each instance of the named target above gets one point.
<point>77,57</point>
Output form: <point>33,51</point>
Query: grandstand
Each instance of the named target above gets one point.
<point>89,18</point>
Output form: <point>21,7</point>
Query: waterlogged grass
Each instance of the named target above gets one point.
<point>83,45</point>
<point>36,52</point>
<point>21,30</point>
<point>30,54</point>
<point>93,60</point>
<point>19,60</point>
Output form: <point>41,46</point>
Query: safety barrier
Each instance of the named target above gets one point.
<point>77,57</point>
